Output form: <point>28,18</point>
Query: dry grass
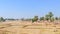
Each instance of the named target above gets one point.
<point>25,27</point>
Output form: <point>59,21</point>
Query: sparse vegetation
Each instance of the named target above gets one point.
<point>49,16</point>
<point>2,19</point>
<point>25,24</point>
<point>42,18</point>
<point>56,18</point>
<point>52,19</point>
<point>35,19</point>
<point>22,19</point>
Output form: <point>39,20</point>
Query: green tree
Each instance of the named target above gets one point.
<point>35,19</point>
<point>52,19</point>
<point>56,18</point>
<point>41,18</point>
<point>49,16</point>
<point>2,19</point>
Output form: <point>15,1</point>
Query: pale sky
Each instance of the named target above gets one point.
<point>28,8</point>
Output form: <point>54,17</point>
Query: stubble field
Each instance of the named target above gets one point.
<point>27,27</point>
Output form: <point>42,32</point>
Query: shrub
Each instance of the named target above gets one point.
<point>56,18</point>
<point>2,19</point>
<point>35,19</point>
<point>52,19</point>
<point>41,18</point>
<point>49,16</point>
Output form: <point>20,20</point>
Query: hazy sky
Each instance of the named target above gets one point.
<point>28,8</point>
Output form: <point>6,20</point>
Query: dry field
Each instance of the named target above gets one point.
<point>25,27</point>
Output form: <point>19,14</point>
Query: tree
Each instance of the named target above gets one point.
<point>35,19</point>
<point>56,18</point>
<point>52,19</point>
<point>49,16</point>
<point>41,18</point>
<point>2,19</point>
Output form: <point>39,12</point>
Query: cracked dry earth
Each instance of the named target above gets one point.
<point>25,27</point>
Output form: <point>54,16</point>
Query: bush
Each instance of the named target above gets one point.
<point>35,19</point>
<point>52,19</point>
<point>2,19</point>
<point>56,18</point>
<point>41,18</point>
<point>49,16</point>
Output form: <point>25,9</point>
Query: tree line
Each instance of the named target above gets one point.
<point>48,17</point>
